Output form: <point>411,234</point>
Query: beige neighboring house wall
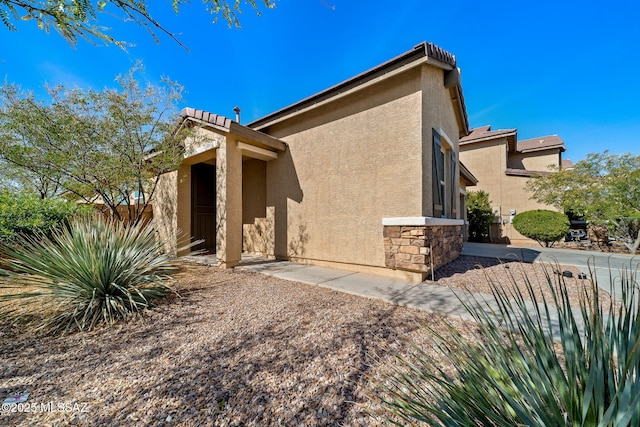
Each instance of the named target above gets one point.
<point>330,179</point>
<point>502,166</point>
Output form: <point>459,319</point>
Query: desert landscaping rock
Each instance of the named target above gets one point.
<point>235,348</point>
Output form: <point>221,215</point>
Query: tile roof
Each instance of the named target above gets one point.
<point>214,119</point>
<point>252,136</point>
<point>541,143</point>
<point>484,133</point>
<point>567,164</point>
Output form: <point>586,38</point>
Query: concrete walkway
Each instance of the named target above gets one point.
<point>425,296</point>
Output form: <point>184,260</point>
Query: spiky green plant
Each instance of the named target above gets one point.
<point>91,272</point>
<point>550,363</point>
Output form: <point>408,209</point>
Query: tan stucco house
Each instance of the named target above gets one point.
<point>364,175</point>
<point>503,165</point>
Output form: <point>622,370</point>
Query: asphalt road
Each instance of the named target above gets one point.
<point>608,268</point>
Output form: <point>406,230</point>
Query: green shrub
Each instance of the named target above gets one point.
<point>542,225</point>
<point>25,213</point>
<point>512,373</point>
<point>479,215</point>
<point>92,272</point>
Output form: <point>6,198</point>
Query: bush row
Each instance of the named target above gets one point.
<point>27,214</point>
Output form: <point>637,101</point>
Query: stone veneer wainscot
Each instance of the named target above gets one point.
<point>416,243</point>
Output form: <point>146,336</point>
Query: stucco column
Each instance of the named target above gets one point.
<point>228,204</point>
<point>183,207</point>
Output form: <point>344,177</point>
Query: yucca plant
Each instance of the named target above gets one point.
<point>546,363</point>
<point>91,272</point>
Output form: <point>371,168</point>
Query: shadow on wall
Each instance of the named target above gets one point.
<point>165,210</point>
<point>283,185</point>
<point>297,243</point>
<point>496,234</point>
<point>258,237</point>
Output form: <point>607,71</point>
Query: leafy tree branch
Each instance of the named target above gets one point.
<point>74,19</point>
<point>603,188</point>
<point>93,145</point>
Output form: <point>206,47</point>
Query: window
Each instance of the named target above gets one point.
<point>438,177</point>
<point>452,184</point>
<point>445,169</point>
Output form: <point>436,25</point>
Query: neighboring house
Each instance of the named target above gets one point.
<point>503,165</point>
<point>364,175</point>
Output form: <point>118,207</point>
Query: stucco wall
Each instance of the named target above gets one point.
<point>487,161</point>
<point>172,207</point>
<point>351,163</point>
<point>535,161</point>
<point>437,113</point>
<point>254,190</point>
<point>257,220</point>
<point>172,202</point>
<point>164,209</point>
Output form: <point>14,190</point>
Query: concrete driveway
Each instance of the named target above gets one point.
<point>607,267</point>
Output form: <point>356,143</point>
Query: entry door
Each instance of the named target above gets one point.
<point>203,205</point>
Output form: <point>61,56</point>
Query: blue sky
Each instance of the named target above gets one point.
<point>547,67</point>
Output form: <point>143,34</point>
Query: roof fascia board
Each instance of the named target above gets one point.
<point>455,92</point>
<point>256,152</point>
<point>525,173</point>
<point>248,135</point>
<point>549,147</point>
<point>253,137</point>
<point>206,124</point>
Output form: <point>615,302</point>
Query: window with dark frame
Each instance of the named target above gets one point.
<point>438,176</point>
<point>445,168</point>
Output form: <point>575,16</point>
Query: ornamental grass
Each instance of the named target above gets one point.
<point>92,272</point>
<point>546,363</point>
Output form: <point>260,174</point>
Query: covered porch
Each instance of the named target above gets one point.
<point>221,188</point>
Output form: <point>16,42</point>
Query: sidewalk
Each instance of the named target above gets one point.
<point>423,296</point>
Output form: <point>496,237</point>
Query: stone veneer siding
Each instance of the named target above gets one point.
<point>411,247</point>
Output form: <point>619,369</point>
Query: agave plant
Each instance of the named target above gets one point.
<point>543,364</point>
<point>91,272</point>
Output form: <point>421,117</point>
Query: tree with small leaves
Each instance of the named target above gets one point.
<point>479,214</point>
<point>74,19</point>
<point>603,188</point>
<point>108,147</point>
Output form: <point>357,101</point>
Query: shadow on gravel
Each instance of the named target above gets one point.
<point>466,263</point>
<point>210,356</point>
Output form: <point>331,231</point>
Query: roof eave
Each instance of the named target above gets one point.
<point>525,173</point>
<point>511,133</point>
<point>466,173</point>
<point>225,125</point>
<point>560,147</point>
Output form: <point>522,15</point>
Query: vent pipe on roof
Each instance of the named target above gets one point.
<point>237,110</point>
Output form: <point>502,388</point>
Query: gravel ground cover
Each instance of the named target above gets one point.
<point>475,274</point>
<point>235,348</point>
